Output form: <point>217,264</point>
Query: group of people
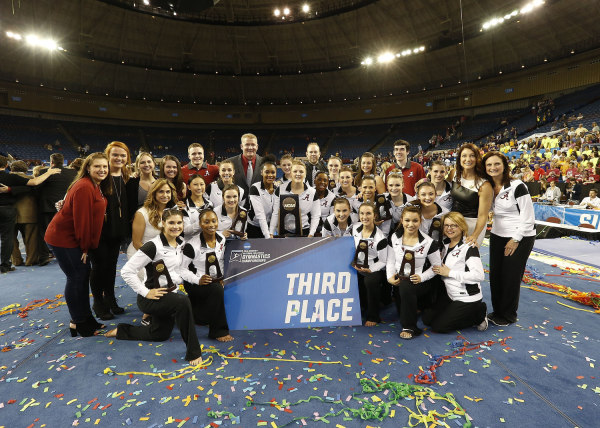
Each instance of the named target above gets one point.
<point>178,225</point>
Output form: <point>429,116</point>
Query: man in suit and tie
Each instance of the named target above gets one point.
<point>49,193</point>
<point>247,165</point>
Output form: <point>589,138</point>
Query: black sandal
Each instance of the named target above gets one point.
<point>413,332</point>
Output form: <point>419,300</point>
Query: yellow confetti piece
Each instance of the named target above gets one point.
<point>473,371</point>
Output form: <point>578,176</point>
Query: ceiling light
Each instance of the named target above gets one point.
<point>367,61</point>
<point>276,12</point>
<point>305,8</point>
<point>146,2</point>
<point>12,35</point>
<point>386,57</point>
<point>286,11</point>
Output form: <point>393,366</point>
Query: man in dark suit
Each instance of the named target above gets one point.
<point>247,165</point>
<point>49,193</point>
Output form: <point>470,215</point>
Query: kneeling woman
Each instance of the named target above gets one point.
<point>205,289</point>
<point>166,307</point>
<point>461,305</point>
<point>416,290</point>
<point>371,280</point>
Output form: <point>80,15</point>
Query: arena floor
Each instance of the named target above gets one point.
<point>540,371</point>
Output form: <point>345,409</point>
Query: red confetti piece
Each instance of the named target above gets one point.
<point>558,327</point>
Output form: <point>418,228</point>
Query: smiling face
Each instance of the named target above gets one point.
<point>341,212</point>
<point>196,156</point>
<point>366,165</point>
<point>400,153</point>
<point>226,172</point>
<point>451,229</point>
<point>249,147</point>
<point>411,221</point>
<point>197,186</point>
<point>438,173</point>
<point>170,169</point>
<point>173,226</point>
<point>269,172</point>
<point>298,173</point>
<point>117,158</point>
<point>230,198</point>
<point>426,195</point>
<point>146,165</point>
<point>286,166</point>
<point>494,167</point>
<point>163,195</point>
<point>395,184</point>
<point>321,182</point>
<point>468,159</point>
<point>209,223</point>
<point>98,170</point>
<point>333,166</point>
<point>368,189</point>
<point>366,215</point>
<point>313,153</point>
<point>345,179</point>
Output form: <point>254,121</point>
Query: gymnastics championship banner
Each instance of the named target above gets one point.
<point>570,216</point>
<point>290,283</point>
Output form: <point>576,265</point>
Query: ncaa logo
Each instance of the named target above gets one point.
<point>247,246</point>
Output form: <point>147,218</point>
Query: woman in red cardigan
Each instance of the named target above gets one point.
<point>76,229</point>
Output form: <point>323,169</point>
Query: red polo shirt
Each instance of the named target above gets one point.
<point>412,173</point>
<point>209,172</point>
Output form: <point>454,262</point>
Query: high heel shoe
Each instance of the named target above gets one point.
<point>102,311</point>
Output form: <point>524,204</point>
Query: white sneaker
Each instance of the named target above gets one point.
<point>483,326</point>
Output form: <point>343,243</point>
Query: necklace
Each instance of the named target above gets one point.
<point>118,192</point>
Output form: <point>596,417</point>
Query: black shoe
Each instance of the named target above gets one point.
<point>44,262</point>
<point>5,269</point>
<point>102,312</point>
<point>497,320</point>
<point>114,307</point>
<point>85,329</point>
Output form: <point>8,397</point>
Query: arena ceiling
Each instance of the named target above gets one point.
<point>237,52</point>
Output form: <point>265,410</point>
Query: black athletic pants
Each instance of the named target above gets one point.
<point>208,306</point>
<point>446,315</point>
<point>410,297</point>
<point>371,287</point>
<point>104,269</point>
<point>169,309</point>
<point>506,273</point>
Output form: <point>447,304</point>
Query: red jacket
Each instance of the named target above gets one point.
<point>412,173</point>
<point>208,172</point>
<point>79,222</point>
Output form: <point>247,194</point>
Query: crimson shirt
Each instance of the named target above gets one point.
<point>208,172</point>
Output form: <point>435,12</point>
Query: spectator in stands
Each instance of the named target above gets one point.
<point>460,304</point>
<point>573,190</point>
<point>592,201</point>
<point>527,174</point>
<point>115,230</point>
<point>262,200</point>
<point>166,307</point>
<point>170,168</point>
<point>48,194</point>
<point>367,166</point>
<point>197,165</point>
<point>26,221</point>
<point>11,186</point>
<point>139,185</point>
<point>511,239</point>
<point>554,173</point>
<point>248,164</point>
<point>411,171</point>
<point>471,192</point>
<point>412,290</point>
<point>595,127</point>
<point>75,231</point>
<point>552,193</point>
<point>314,163</point>
<point>76,164</point>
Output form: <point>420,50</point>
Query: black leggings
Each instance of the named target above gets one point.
<point>410,297</point>
<point>446,315</point>
<point>104,269</point>
<point>371,287</point>
<point>208,306</point>
<point>171,308</point>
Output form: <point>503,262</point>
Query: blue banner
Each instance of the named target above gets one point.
<point>570,216</point>
<point>290,283</point>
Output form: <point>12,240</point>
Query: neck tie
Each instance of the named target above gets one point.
<point>314,174</point>
<point>249,173</point>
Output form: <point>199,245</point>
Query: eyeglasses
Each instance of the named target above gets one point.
<point>451,226</point>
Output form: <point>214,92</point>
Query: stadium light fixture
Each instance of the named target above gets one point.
<point>147,2</point>
<point>276,12</point>
<point>14,36</point>
<point>386,57</point>
<point>286,11</point>
<point>305,8</point>
<point>532,5</point>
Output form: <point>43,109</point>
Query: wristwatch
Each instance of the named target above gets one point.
<point>515,241</point>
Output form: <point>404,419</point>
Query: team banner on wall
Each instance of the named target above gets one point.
<point>570,216</point>
<point>290,283</point>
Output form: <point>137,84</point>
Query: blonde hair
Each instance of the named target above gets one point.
<point>457,218</point>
